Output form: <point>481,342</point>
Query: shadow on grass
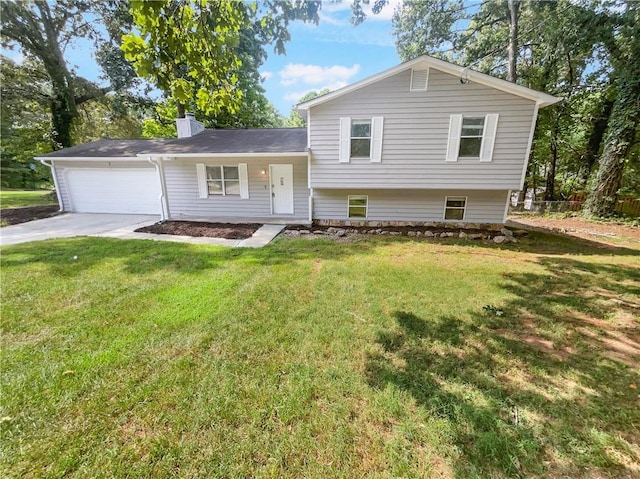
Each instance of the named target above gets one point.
<point>540,385</point>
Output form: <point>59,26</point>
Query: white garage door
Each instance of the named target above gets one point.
<point>114,190</point>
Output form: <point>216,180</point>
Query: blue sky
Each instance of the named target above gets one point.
<point>328,55</point>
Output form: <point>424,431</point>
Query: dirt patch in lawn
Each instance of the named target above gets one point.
<point>14,216</point>
<point>606,233</point>
<point>199,229</point>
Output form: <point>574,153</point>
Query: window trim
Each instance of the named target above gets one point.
<point>366,206</point>
<point>370,137</point>
<point>223,180</point>
<point>464,208</point>
<point>482,135</point>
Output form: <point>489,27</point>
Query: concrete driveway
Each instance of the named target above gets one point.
<point>73,224</point>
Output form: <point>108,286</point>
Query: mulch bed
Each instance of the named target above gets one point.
<point>199,229</point>
<point>14,216</point>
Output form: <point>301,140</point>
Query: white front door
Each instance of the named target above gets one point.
<point>281,189</point>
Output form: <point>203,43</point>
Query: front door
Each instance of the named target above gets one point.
<point>281,189</point>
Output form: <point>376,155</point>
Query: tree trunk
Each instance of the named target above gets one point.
<point>595,140</point>
<point>514,8</point>
<point>550,183</point>
<point>619,140</point>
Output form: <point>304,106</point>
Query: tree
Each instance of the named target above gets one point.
<point>623,46</point>
<point>43,29</point>
<point>294,119</point>
<point>25,126</point>
<point>195,49</point>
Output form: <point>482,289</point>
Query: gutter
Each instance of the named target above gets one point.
<point>55,181</point>
<point>164,205</point>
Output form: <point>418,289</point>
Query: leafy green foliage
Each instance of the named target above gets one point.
<point>294,119</point>
<point>189,49</point>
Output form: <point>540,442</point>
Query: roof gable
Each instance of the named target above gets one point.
<point>425,61</point>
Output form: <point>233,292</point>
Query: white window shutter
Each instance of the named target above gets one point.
<point>345,140</point>
<point>244,181</point>
<point>377,123</point>
<point>203,190</point>
<point>419,80</point>
<point>489,137</point>
<point>453,145</point>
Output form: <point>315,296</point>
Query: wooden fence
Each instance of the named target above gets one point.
<point>627,205</point>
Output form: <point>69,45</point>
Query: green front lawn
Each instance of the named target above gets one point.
<point>21,198</point>
<point>382,357</point>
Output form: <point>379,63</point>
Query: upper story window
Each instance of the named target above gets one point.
<point>223,180</point>
<point>360,138</point>
<point>471,137</point>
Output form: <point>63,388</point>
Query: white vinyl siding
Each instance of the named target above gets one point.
<point>419,80</point>
<point>182,189</point>
<point>411,205</point>
<point>416,127</point>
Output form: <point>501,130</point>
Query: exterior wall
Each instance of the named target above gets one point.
<point>61,165</point>
<point>411,205</point>
<point>182,189</point>
<point>416,127</point>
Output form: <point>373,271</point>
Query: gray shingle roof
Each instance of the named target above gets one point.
<point>255,140</point>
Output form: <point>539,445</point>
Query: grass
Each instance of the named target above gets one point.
<point>379,358</point>
<point>22,198</point>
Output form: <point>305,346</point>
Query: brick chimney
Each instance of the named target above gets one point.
<point>188,126</point>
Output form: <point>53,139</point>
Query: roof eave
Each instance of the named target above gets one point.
<point>224,155</point>
<point>542,99</point>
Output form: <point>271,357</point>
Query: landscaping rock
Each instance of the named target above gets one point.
<point>412,233</point>
<point>429,234</point>
<point>305,232</point>
<point>506,232</point>
<point>419,233</point>
<point>395,233</point>
<point>463,235</point>
<point>318,232</point>
<point>500,239</point>
<point>339,233</point>
<point>475,236</point>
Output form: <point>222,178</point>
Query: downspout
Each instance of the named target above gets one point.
<point>55,181</point>
<point>164,206</point>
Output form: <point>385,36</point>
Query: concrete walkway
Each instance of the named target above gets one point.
<point>260,238</point>
<point>118,226</point>
<point>72,224</point>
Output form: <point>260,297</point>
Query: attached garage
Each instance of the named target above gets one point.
<point>113,190</point>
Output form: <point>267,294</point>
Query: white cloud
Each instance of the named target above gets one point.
<point>299,73</point>
<point>385,14</point>
<point>264,76</point>
<point>295,96</point>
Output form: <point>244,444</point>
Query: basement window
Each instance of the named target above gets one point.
<point>358,205</point>
<point>455,207</point>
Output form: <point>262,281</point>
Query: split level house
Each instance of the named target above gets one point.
<point>426,141</point>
